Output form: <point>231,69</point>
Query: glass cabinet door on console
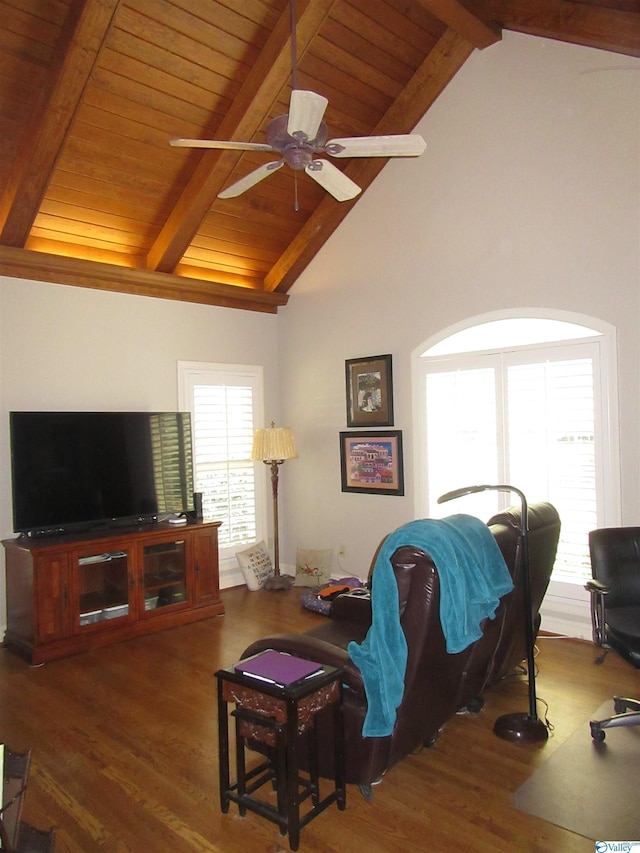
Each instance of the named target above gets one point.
<point>103,587</point>
<point>164,575</point>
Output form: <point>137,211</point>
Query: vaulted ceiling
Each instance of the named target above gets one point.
<point>91,92</point>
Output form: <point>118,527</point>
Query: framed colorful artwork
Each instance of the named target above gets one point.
<point>369,391</point>
<point>371,462</point>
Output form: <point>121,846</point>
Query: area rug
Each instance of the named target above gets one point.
<point>588,788</point>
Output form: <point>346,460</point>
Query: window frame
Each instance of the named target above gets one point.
<point>566,604</point>
<point>214,373</point>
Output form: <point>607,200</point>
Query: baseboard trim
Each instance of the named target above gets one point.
<point>566,616</point>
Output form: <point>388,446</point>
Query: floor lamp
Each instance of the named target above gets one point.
<point>274,446</point>
<point>522,727</point>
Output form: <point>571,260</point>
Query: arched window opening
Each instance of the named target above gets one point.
<point>528,401</point>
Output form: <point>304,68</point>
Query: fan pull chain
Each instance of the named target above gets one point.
<point>296,206</point>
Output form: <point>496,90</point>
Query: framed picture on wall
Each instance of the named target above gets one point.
<point>371,462</point>
<point>369,384</point>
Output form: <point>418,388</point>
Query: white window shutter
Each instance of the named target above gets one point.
<point>226,405</point>
<point>552,450</point>
<point>224,472</point>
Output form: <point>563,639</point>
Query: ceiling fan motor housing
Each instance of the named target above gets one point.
<point>297,151</point>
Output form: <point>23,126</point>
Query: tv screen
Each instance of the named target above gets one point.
<point>81,470</point>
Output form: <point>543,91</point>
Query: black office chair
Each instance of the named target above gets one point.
<point>615,609</point>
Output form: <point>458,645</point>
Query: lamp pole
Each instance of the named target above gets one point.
<point>521,727</point>
<point>274,463</point>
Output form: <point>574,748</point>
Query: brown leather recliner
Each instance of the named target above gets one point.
<point>437,684</point>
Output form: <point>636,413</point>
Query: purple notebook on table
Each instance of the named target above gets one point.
<point>278,668</point>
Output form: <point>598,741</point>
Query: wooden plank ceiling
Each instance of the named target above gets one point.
<point>91,92</point>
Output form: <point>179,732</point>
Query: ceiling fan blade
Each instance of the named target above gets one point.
<point>251,179</point>
<point>333,180</point>
<point>403,145</point>
<point>214,143</point>
<point>306,110</point>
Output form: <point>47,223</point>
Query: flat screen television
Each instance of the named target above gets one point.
<point>75,471</point>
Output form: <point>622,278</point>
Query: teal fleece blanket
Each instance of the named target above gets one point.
<point>473,577</point>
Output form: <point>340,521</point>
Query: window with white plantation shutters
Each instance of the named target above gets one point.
<point>531,416</point>
<point>226,405</point>
<point>552,450</point>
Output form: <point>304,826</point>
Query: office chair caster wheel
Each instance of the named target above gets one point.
<point>597,733</point>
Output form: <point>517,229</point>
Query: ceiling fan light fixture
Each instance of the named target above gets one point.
<point>298,157</point>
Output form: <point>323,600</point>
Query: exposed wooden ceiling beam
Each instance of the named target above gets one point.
<point>21,263</point>
<point>616,30</point>
<point>81,38</point>
<point>471,25</point>
<point>261,88</point>
<point>444,61</point>
<point>116,59</point>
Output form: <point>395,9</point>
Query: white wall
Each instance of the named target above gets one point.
<point>78,349</point>
<point>528,195</point>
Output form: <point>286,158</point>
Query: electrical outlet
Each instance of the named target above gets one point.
<point>341,551</point>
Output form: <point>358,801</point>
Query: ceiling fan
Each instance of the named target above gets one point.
<point>301,135</point>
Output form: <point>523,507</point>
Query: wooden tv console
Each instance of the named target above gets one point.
<point>70,593</point>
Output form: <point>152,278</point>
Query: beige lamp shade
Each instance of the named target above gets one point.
<point>273,444</point>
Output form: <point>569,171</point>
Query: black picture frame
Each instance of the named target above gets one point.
<point>371,462</point>
<point>369,386</point>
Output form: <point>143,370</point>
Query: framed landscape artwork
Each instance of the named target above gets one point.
<point>369,391</point>
<point>371,462</point>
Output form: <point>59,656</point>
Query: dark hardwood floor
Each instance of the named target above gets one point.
<point>124,749</point>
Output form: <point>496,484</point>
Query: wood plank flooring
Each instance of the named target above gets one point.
<point>124,749</point>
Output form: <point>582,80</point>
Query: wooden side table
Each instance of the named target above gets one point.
<point>277,716</point>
